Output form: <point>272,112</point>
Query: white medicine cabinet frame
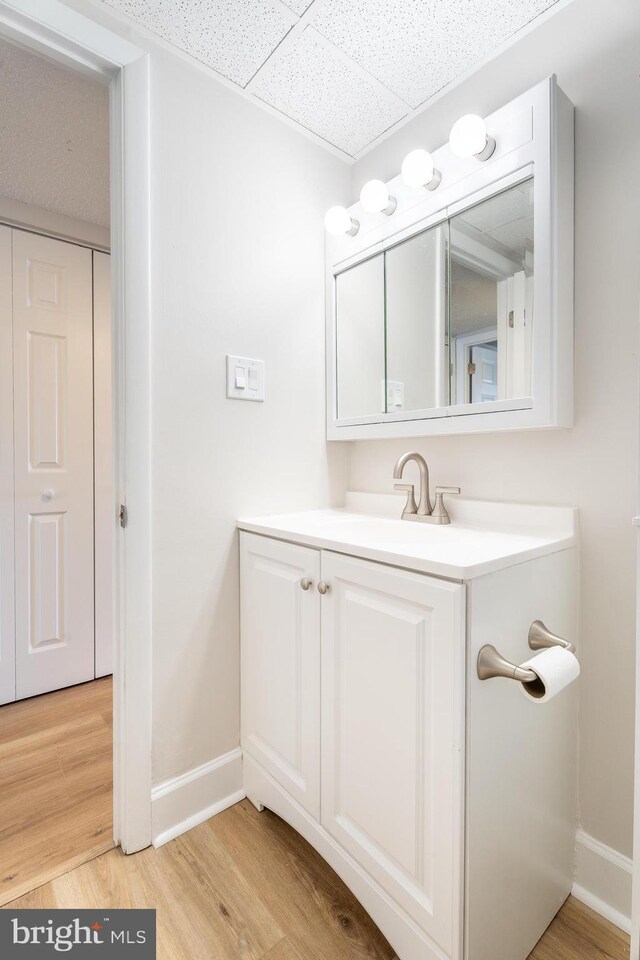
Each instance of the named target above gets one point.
<point>534,144</point>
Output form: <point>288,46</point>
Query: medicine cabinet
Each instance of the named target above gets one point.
<point>454,314</point>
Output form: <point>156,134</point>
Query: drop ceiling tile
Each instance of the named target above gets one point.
<point>415,47</point>
<point>513,204</point>
<point>233,37</point>
<point>516,235</point>
<point>316,86</point>
<point>298,6</point>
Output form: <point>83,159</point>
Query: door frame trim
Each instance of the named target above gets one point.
<point>59,33</point>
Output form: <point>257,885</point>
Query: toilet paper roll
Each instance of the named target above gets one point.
<point>556,668</point>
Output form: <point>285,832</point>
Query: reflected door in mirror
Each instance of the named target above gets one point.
<point>491,297</point>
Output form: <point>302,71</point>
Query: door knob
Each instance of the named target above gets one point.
<point>48,494</point>
<point>323,587</point>
<point>305,583</point>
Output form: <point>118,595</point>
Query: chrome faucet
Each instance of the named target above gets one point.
<point>424,511</point>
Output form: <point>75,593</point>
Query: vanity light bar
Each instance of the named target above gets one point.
<point>418,170</point>
<point>375,198</point>
<point>338,220</point>
<point>468,138</point>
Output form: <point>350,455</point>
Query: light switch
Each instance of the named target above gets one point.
<point>245,378</point>
<point>392,395</point>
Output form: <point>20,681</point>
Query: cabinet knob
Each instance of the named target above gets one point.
<point>323,587</point>
<point>305,583</point>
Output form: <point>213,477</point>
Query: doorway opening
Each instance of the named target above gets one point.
<point>57,477</point>
<point>61,35</point>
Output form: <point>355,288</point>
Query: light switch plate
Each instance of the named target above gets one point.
<point>245,378</point>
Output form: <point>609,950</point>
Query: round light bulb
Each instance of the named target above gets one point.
<point>418,170</point>
<point>338,220</point>
<point>375,198</point>
<point>468,138</point>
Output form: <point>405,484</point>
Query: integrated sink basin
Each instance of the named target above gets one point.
<point>483,536</point>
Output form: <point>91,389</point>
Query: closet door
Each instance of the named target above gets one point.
<point>7,622</point>
<point>53,418</point>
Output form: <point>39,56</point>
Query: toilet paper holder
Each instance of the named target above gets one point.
<point>493,664</point>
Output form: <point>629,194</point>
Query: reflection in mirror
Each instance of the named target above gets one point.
<point>491,298</point>
<point>416,313</point>
<point>360,339</point>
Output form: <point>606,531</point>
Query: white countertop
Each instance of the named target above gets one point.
<point>483,536</point>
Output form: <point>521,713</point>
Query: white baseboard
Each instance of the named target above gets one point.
<point>602,880</point>
<point>180,803</point>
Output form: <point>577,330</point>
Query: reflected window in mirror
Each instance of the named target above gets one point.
<point>416,322</point>
<point>491,269</point>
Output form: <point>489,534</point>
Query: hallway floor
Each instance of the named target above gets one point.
<point>245,886</point>
<point>56,808</point>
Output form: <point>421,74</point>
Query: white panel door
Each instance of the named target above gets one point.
<point>484,379</point>
<point>392,733</point>
<point>281,663</point>
<point>53,449</point>
<point>7,621</point>
<point>105,498</point>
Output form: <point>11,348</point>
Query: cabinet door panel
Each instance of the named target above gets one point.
<point>281,664</point>
<point>392,731</point>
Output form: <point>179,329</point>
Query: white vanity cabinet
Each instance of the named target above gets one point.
<point>446,803</point>
<point>386,648</point>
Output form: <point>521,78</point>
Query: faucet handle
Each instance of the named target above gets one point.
<point>440,514</point>
<point>410,506</point>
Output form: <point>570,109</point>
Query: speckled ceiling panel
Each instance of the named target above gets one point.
<point>416,47</point>
<point>513,204</point>
<point>507,218</point>
<point>298,6</point>
<point>314,85</point>
<point>233,37</point>
<point>54,137</point>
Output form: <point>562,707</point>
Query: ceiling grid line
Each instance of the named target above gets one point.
<point>358,68</point>
<point>297,29</point>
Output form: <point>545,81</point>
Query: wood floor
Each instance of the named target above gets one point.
<point>245,886</point>
<point>578,933</point>
<point>55,784</point>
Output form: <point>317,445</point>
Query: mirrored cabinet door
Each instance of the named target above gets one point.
<point>491,298</point>
<point>360,339</point>
<point>416,322</point>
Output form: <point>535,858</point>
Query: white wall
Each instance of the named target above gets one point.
<point>238,200</point>
<point>593,48</point>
